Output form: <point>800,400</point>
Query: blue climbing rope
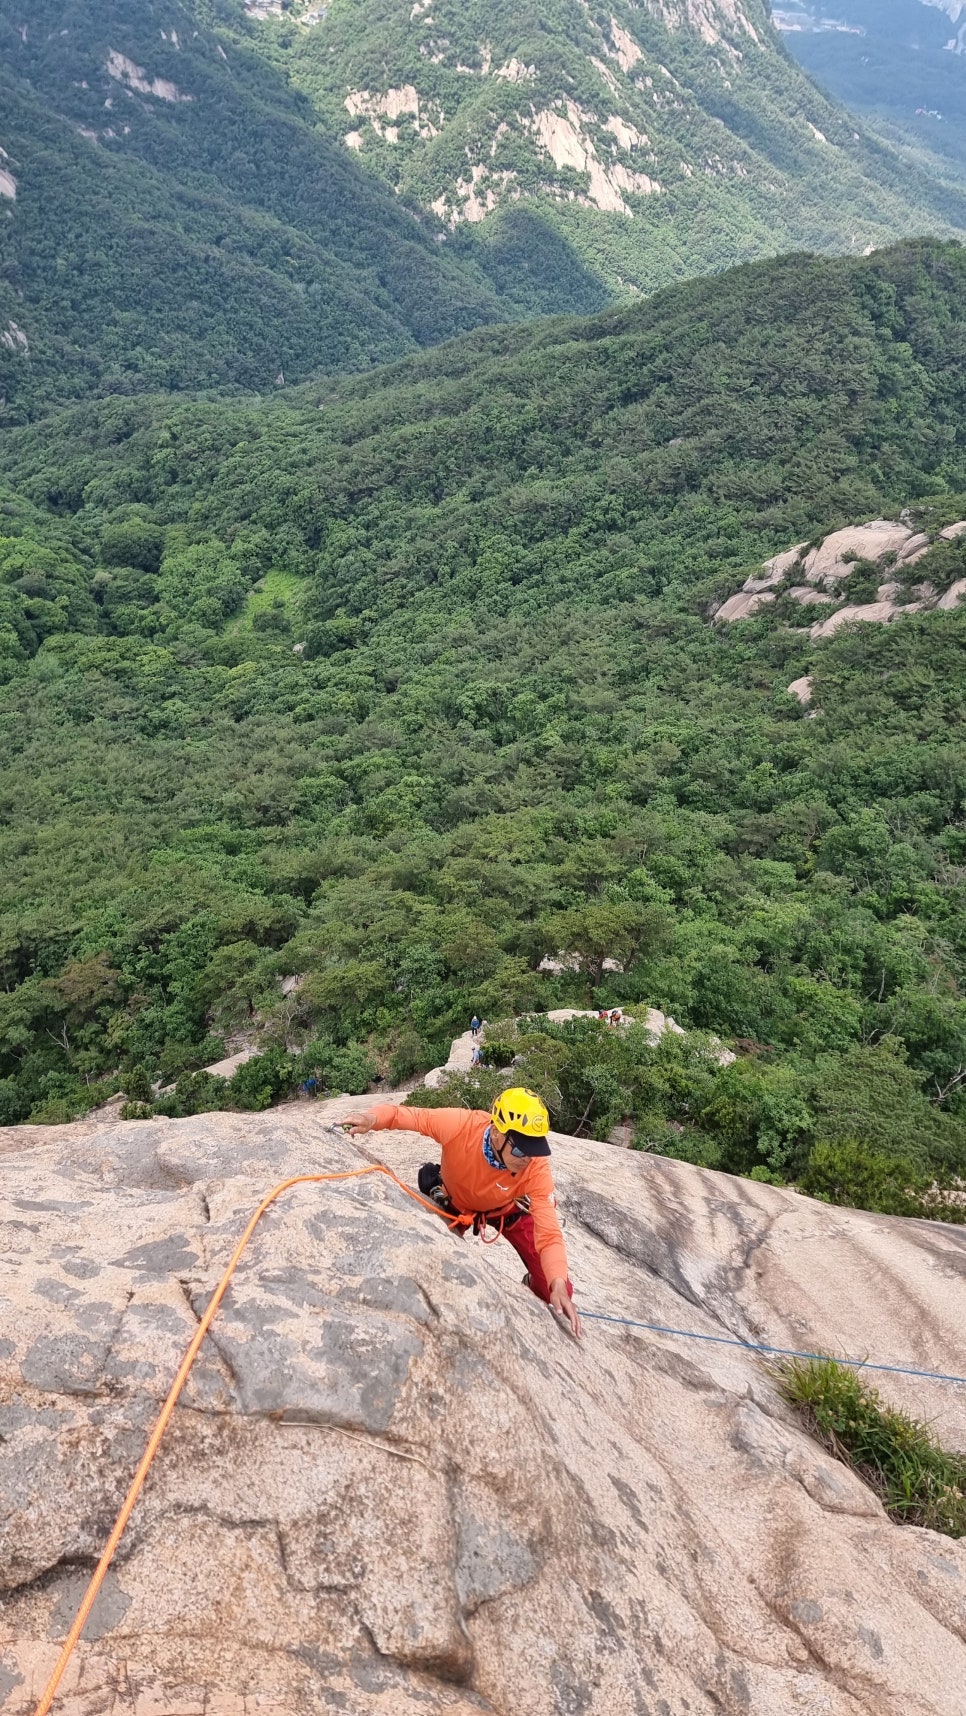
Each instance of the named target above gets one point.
<point>760,1347</point>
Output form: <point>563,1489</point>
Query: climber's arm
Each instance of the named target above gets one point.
<point>437,1123</point>
<point>550,1243</point>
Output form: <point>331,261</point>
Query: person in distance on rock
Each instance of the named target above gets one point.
<point>496,1168</point>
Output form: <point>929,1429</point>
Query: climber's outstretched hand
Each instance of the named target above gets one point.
<point>356,1123</point>
<point>561,1302</point>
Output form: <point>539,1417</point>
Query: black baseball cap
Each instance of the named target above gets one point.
<point>524,1145</point>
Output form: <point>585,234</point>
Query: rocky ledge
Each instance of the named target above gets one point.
<point>818,577</point>
<point>394,1485</point>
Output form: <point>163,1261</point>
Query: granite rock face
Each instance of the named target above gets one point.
<point>395,1486</point>
<point>827,567</point>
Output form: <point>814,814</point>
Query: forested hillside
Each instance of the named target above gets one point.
<point>512,730</point>
<point>660,139</point>
<point>172,216</point>
<point>901,64</point>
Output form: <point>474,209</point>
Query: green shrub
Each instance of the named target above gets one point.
<point>137,1086</point>
<point>59,1112</point>
<point>873,1094</point>
<point>863,582</point>
<point>194,1093</point>
<point>257,1083</point>
<point>478,1089</point>
<point>854,1174</point>
<point>349,1071</point>
<point>412,1053</point>
<point>918,1481</point>
<point>14,1106</point>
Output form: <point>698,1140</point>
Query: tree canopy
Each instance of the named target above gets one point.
<point>398,685</point>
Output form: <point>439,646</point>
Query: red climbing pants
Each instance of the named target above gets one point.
<point>521,1236</point>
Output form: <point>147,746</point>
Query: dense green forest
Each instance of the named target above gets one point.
<point>399,684</point>
<point>179,220</point>
<point>660,141</point>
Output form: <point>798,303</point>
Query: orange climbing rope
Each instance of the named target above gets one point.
<point>137,1482</point>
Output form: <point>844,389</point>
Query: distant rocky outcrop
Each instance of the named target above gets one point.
<point>656,1023</point>
<point>814,577</point>
<point>395,1486</point>
<point>460,1060</point>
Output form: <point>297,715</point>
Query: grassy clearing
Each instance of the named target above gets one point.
<point>274,589</point>
<point>918,1481</point>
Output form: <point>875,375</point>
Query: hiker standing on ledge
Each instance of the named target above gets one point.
<point>492,1164</point>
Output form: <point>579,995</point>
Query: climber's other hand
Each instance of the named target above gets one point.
<point>562,1303</point>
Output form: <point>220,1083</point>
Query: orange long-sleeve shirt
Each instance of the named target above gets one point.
<point>473,1185</point>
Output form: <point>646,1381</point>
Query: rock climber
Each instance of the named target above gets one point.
<point>496,1168</point>
<point>474,1025</point>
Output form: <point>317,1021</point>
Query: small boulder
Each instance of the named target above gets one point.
<point>952,596</point>
<point>871,613</point>
<point>914,550</point>
<point>808,596</point>
<point>742,607</point>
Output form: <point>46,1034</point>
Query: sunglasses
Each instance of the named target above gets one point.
<point>516,1149</point>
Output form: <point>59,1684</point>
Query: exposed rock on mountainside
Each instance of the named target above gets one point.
<point>827,569</point>
<point>679,120</point>
<point>8,184</point>
<point>395,1486</point>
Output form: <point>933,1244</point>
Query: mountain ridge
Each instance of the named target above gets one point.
<point>663,139</point>
<point>898,63</point>
<point>165,190</point>
<point>179,208</point>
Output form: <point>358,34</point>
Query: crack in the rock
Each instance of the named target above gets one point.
<point>186,1295</point>
<point>283,1422</point>
<point>38,1583</point>
<point>204,1510</point>
<point>210,1336</point>
<point>840,1680</point>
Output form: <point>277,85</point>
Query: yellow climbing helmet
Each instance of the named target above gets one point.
<point>522,1111</point>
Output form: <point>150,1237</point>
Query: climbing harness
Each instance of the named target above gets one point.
<point>455,1222</point>
<point>483,1220</point>
<point>430,1183</point>
<point>760,1347</point>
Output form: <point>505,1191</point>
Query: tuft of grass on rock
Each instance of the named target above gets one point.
<point>918,1482</point>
